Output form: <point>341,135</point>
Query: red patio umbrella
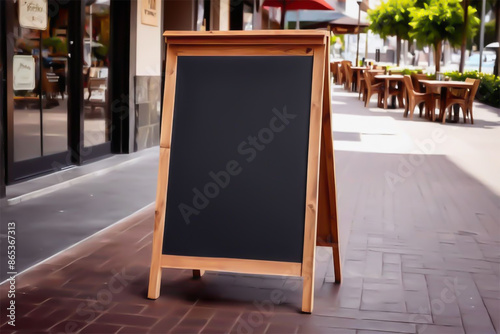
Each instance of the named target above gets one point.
<point>296,5</point>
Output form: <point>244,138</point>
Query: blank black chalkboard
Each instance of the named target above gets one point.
<point>247,116</point>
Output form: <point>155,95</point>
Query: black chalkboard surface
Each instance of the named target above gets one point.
<point>246,179</point>
<point>237,177</point>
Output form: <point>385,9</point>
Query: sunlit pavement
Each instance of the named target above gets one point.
<point>419,219</point>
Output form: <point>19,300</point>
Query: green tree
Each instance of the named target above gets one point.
<point>441,20</point>
<point>392,18</point>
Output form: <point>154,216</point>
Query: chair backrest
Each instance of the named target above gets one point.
<point>473,90</point>
<point>334,67</point>
<point>97,83</point>
<point>369,78</point>
<point>415,78</point>
<point>408,84</point>
<point>347,68</point>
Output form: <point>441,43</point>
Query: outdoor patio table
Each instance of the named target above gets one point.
<point>444,85</point>
<point>379,71</point>
<point>387,83</point>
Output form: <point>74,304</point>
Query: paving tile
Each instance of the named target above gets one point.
<point>388,326</point>
<point>415,282</point>
<point>447,320</point>
<point>68,326</point>
<point>279,328</point>
<point>493,307</point>
<point>166,324</point>
<point>100,328</point>
<point>417,302</point>
<point>127,308</point>
<point>131,330</point>
<point>126,319</point>
<point>435,329</point>
<point>324,330</point>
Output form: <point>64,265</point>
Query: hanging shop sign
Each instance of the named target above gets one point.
<point>33,14</point>
<point>149,13</point>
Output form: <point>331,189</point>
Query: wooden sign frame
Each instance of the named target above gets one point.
<point>320,223</point>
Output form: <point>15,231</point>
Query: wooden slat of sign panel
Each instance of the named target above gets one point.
<point>261,34</point>
<point>161,193</point>
<point>241,50</point>
<point>312,179</point>
<point>246,37</point>
<point>232,265</point>
<point>310,41</point>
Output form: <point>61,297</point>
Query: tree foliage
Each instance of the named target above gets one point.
<point>441,20</point>
<point>391,18</point>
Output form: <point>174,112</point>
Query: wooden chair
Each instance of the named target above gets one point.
<point>464,99</point>
<point>419,88</point>
<point>334,68</point>
<point>340,74</point>
<point>98,94</point>
<point>373,88</point>
<point>415,98</point>
<point>348,75</point>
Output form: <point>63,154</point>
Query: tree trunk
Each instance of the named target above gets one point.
<point>437,55</point>
<point>464,36</point>
<point>398,49</point>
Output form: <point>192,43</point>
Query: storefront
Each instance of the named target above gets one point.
<point>82,79</point>
<point>62,106</point>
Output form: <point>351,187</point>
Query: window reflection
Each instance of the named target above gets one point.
<point>41,114</point>
<point>95,72</point>
<point>54,95</point>
<point>27,140</point>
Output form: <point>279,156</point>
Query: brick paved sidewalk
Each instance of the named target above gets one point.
<point>421,255</point>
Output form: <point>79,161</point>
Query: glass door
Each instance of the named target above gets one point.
<point>38,93</point>
<point>96,64</point>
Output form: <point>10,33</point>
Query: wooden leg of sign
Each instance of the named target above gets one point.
<point>161,193</point>
<point>197,273</point>
<point>154,283</point>
<point>329,159</point>
<point>308,293</point>
<point>311,214</point>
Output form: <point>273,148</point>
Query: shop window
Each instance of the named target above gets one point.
<point>97,115</point>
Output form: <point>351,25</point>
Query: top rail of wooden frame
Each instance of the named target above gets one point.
<point>310,37</point>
